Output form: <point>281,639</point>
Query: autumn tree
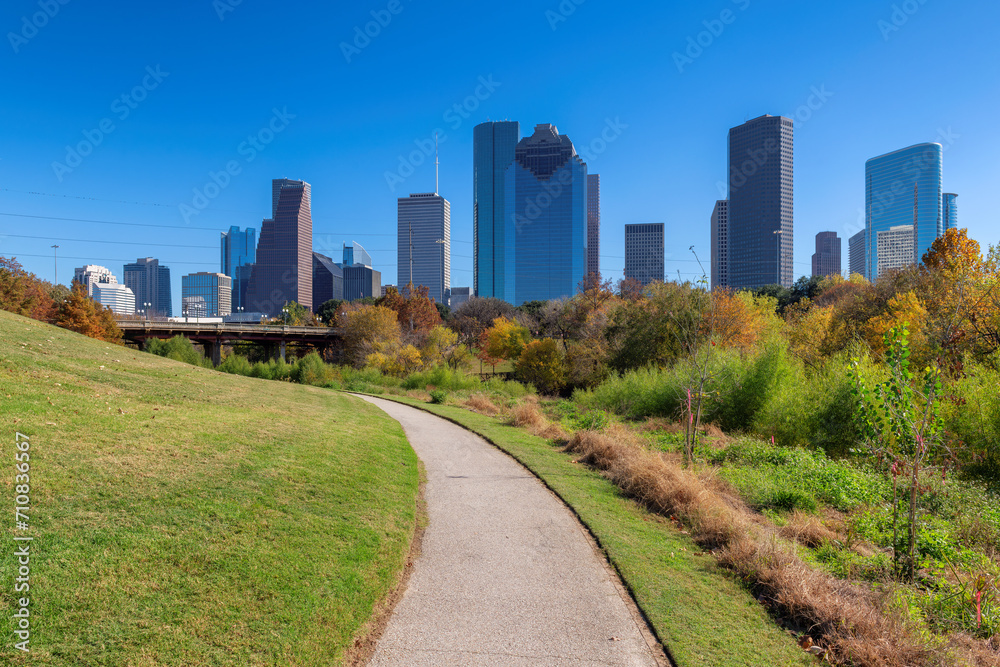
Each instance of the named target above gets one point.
<point>83,315</point>
<point>506,339</point>
<point>476,315</point>
<point>417,312</point>
<point>368,330</point>
<point>442,346</point>
<point>541,364</point>
<point>23,293</point>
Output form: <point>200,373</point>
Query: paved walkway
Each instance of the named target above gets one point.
<point>506,575</point>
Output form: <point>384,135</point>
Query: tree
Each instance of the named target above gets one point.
<point>442,346</point>
<point>298,315</point>
<point>541,364</point>
<point>476,315</point>
<point>327,312</point>
<point>23,293</point>
<point>594,291</point>
<point>630,289</point>
<point>902,425</point>
<point>506,339</point>
<point>83,315</point>
<point>417,312</point>
<point>368,330</point>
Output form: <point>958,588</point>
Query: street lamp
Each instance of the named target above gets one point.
<point>777,256</point>
<point>284,316</point>
<point>146,306</point>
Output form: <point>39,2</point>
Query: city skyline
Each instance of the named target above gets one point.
<point>174,147</point>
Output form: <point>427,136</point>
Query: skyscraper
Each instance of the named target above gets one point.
<point>546,219</point>
<point>761,206</point>
<point>493,147</point>
<point>360,279</point>
<point>150,283</point>
<point>328,280</point>
<point>91,275</point>
<point>118,298</point>
<point>895,248</point>
<point>949,211</point>
<point>283,271</point>
<point>856,254</point>
<point>720,244</point>
<point>424,243</point>
<point>593,223</point>
<point>644,252</point>
<point>239,252</point>
<point>826,260</point>
<point>215,289</point>
<point>903,188</point>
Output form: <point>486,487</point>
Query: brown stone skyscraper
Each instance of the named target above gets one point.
<point>283,271</point>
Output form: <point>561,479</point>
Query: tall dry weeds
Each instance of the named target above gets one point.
<point>853,623</point>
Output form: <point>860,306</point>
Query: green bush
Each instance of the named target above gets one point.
<point>235,364</point>
<point>177,348</point>
<point>441,377</point>
<point>439,396</point>
<point>746,384</point>
<point>311,369</point>
<point>647,392</point>
<point>508,388</point>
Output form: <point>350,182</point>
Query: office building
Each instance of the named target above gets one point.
<point>949,210</point>
<point>720,244</point>
<point>328,280</point>
<point>826,259</point>
<point>119,298</point>
<point>459,295</point>
<point>895,248</point>
<point>360,279</point>
<point>194,306</point>
<point>761,209</point>
<point>546,223</point>
<point>644,252</point>
<point>239,253</point>
<point>856,254</point>
<point>593,223</point>
<point>423,227</point>
<point>283,271</point>
<point>493,148</point>
<point>214,289</point>
<point>150,283</point>
<point>91,275</point>
<point>903,188</point>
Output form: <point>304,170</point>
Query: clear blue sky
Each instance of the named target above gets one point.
<point>221,79</point>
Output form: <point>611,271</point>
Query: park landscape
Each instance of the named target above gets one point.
<point>783,476</point>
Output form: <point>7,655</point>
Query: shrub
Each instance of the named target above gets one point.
<point>542,364</point>
<point>177,348</point>
<point>235,364</point>
<point>441,377</point>
<point>648,392</point>
<point>439,396</point>
<point>311,369</point>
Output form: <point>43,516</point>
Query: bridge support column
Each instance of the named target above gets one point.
<point>216,348</point>
<point>279,351</point>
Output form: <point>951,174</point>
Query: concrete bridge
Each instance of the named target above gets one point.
<point>213,335</point>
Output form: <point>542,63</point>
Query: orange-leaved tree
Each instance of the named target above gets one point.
<point>79,313</point>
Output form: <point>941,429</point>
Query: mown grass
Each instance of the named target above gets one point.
<point>699,612</point>
<point>187,517</point>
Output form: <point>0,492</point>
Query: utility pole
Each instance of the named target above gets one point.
<point>55,261</point>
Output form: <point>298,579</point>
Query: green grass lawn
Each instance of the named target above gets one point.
<point>187,517</point>
<point>698,611</point>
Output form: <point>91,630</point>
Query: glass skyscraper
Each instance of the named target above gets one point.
<point>424,220</point>
<point>545,193</point>
<point>761,203</point>
<point>493,147</point>
<point>239,253</point>
<point>213,289</point>
<point>593,223</point>
<point>283,271</point>
<point>856,254</point>
<point>720,243</point>
<point>826,261</point>
<point>903,188</point>
<point>949,211</point>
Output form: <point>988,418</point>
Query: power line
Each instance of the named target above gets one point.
<point>142,243</point>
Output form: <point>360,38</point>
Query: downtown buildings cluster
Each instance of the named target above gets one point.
<point>537,229</point>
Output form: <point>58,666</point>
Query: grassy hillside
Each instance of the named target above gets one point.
<point>187,517</point>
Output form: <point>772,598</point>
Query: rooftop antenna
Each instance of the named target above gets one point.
<point>437,166</point>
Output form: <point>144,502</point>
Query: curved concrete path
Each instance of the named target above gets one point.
<point>506,574</point>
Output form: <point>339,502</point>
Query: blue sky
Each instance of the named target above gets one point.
<point>879,76</point>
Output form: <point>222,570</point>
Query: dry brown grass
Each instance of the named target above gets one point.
<point>482,404</point>
<point>853,623</point>
<point>808,530</point>
<point>526,415</point>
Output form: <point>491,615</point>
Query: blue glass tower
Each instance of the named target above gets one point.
<point>239,254</point>
<point>903,188</point>
<point>545,194</point>
<point>493,146</point>
<point>949,211</point>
